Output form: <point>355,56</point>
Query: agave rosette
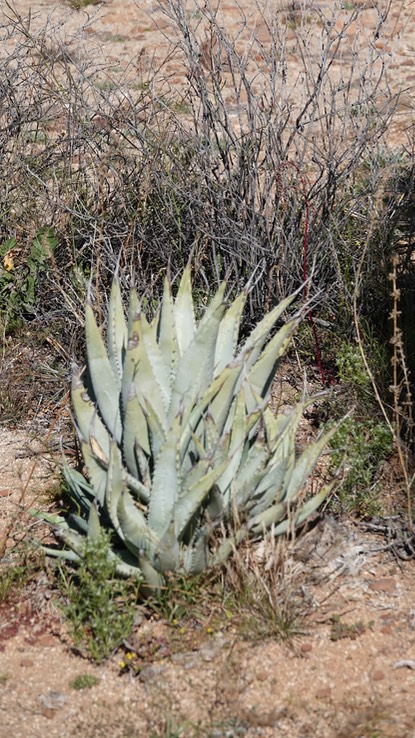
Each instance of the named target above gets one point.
<point>176,435</point>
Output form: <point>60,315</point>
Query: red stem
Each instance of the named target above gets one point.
<point>305,275</point>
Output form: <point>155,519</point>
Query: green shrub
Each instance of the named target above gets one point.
<point>100,607</point>
<point>21,275</point>
<point>84,681</point>
<point>361,445</point>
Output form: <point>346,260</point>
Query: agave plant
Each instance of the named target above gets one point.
<point>177,436</point>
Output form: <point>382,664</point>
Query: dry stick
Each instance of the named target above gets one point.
<point>398,361</point>
<point>393,427</point>
<point>310,316</point>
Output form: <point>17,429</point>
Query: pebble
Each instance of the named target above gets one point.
<point>323,693</point>
<point>151,672</point>
<point>384,584</point>
<point>378,675</point>
<point>306,647</point>
<point>46,640</point>
<point>48,712</point>
<point>207,654</point>
<point>262,719</point>
<point>262,676</point>
<point>52,700</point>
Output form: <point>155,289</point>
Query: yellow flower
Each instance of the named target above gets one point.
<point>8,261</point>
<point>122,665</point>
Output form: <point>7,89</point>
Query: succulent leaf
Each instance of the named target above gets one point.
<point>303,513</point>
<point>184,313</point>
<point>160,377</point>
<point>117,332</point>
<point>135,431</point>
<point>166,482</point>
<point>85,411</point>
<point>235,449</point>
<point>82,492</point>
<point>94,525</point>
<point>97,473</point>
<point>305,464</point>
<point>196,556</point>
<point>259,335</point>
<point>166,329</point>
<point>194,497</point>
<point>115,485</point>
<point>227,340</point>
<point>195,368</point>
<point>133,526</point>
<point>261,375</point>
<point>104,383</point>
<point>214,403</point>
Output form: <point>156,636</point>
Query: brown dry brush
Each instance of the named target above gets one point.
<point>137,173</point>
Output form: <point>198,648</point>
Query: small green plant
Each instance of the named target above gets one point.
<point>350,366</point>
<point>4,678</point>
<point>20,274</point>
<point>100,607</point>
<point>79,4</point>
<point>84,681</point>
<point>17,567</point>
<point>340,630</point>
<point>169,729</point>
<point>11,577</point>
<point>361,445</point>
<point>351,369</point>
<point>180,596</point>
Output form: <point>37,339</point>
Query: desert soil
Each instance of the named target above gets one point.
<point>350,676</point>
<point>348,672</point>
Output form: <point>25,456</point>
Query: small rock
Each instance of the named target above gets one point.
<point>48,712</point>
<point>323,693</point>
<point>189,659</point>
<point>6,492</point>
<point>52,700</point>
<point>26,662</point>
<point>46,640</point>
<point>178,658</point>
<point>263,719</point>
<point>378,675</point>
<point>384,584</point>
<point>387,630</point>
<point>306,647</point>
<point>207,654</point>
<point>262,676</point>
<point>151,672</point>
